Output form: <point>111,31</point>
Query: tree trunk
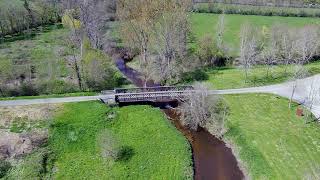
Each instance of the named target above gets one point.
<point>77,69</point>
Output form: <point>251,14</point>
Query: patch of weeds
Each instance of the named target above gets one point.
<point>33,166</point>
<point>4,168</point>
<point>23,124</point>
<point>19,125</point>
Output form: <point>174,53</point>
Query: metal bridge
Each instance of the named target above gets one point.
<point>151,94</point>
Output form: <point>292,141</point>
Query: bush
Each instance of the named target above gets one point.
<point>197,75</point>
<point>4,168</point>
<point>28,89</point>
<point>56,87</point>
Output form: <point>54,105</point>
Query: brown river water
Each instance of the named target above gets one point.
<point>213,160</point>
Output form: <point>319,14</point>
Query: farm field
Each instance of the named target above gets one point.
<point>205,24</point>
<point>271,140</point>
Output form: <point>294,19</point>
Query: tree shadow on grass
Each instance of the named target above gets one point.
<point>125,153</point>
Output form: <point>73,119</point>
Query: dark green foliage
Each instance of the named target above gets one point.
<point>56,87</point>
<point>197,75</point>
<point>28,89</point>
<point>21,16</point>
<point>4,168</point>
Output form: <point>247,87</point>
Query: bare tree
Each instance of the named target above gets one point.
<point>299,73</point>
<point>249,48</point>
<point>93,15</point>
<point>199,108</point>
<point>76,41</point>
<point>220,29</point>
<point>313,96</point>
<point>287,44</point>
<point>169,41</point>
<point>155,28</point>
<point>307,44</point>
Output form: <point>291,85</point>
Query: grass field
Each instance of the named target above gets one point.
<point>231,78</point>
<point>205,24</point>
<point>272,141</point>
<point>159,151</point>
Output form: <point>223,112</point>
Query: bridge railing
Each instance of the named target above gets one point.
<point>153,89</point>
<point>151,96</point>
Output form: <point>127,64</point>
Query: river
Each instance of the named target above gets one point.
<point>212,158</point>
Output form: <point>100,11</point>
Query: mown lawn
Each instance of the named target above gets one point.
<point>230,78</point>
<point>271,140</point>
<point>205,24</point>
<point>158,150</point>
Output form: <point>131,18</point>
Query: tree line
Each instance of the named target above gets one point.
<point>76,62</point>
<point>281,45</point>
<point>17,16</point>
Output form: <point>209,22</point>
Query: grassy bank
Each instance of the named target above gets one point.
<point>205,24</point>
<point>158,150</point>
<point>230,78</point>
<point>271,140</point>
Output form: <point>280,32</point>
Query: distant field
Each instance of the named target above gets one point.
<point>230,78</point>
<point>157,149</point>
<point>271,140</point>
<point>203,24</point>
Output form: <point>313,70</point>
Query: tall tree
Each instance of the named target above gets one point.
<point>158,30</point>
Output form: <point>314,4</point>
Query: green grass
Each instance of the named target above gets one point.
<point>160,151</point>
<point>231,78</point>
<point>205,24</point>
<point>272,141</point>
<point>50,96</point>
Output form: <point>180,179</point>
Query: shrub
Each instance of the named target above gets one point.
<point>28,89</point>
<point>197,75</point>
<point>56,87</point>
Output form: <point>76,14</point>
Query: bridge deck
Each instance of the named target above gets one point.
<point>161,93</point>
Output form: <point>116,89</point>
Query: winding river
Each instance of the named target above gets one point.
<point>212,158</point>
